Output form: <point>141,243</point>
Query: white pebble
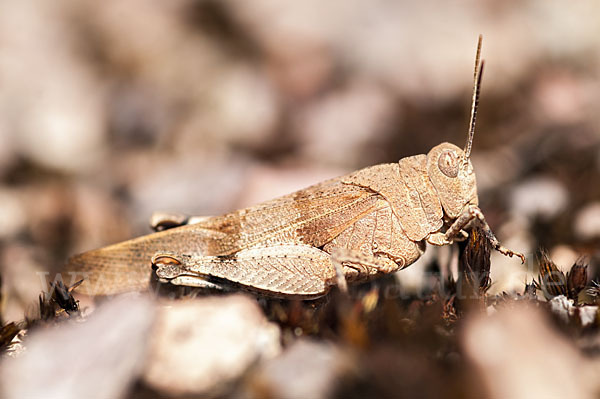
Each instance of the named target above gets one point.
<point>540,196</point>
<point>587,221</point>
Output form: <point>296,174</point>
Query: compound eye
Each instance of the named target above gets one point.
<point>448,163</point>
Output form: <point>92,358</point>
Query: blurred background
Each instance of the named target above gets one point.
<point>112,110</point>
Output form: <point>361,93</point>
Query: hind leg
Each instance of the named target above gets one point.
<point>360,267</point>
<point>160,221</point>
<point>286,270</point>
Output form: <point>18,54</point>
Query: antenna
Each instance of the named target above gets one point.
<point>477,74</point>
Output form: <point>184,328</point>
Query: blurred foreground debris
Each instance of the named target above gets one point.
<point>307,369</point>
<point>518,354</point>
<point>202,346</point>
<point>96,359</point>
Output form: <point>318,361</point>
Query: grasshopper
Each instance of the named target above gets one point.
<point>349,229</point>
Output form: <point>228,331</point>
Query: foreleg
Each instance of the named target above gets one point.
<point>286,270</point>
<point>473,213</point>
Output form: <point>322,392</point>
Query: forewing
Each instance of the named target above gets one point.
<point>313,216</point>
<point>126,266</point>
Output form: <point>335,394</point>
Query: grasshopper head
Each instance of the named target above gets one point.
<point>452,175</point>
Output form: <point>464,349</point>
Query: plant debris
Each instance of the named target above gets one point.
<point>7,333</point>
<point>577,279</point>
<point>58,299</point>
<point>552,281</point>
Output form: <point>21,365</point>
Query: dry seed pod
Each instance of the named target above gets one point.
<point>594,291</point>
<point>474,262</point>
<point>552,282</point>
<point>576,279</point>
<point>7,334</point>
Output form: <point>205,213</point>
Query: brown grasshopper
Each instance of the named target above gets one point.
<point>351,228</point>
